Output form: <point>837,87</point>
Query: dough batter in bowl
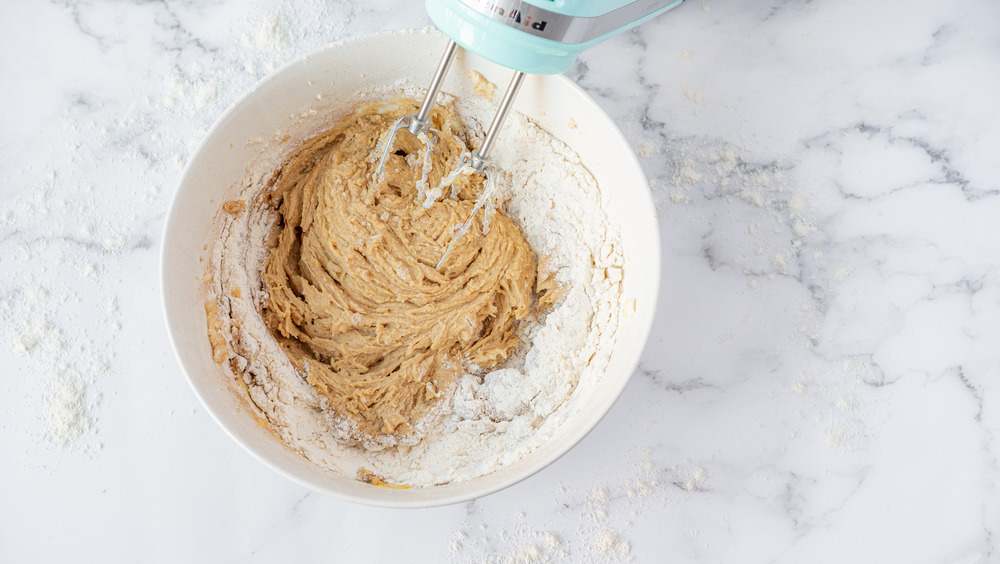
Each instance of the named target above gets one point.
<point>585,212</point>
<point>587,218</point>
<point>361,355</point>
<point>353,295</point>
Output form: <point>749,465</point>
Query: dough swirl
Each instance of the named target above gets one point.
<point>352,293</point>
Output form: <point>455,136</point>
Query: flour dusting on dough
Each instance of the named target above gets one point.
<point>493,418</point>
<point>355,296</point>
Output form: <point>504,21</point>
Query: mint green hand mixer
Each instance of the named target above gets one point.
<point>528,36</point>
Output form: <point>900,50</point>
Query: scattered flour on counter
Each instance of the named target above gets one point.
<point>837,414</point>
<point>691,94</point>
<point>271,33</point>
<point>73,365</point>
<point>71,405</point>
<point>779,262</point>
<point>551,541</point>
<point>646,150</point>
<point>267,42</point>
<point>205,94</point>
<point>580,525</point>
<point>727,180</point>
<point>607,542</point>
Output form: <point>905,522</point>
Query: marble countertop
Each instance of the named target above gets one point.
<point>820,385</point>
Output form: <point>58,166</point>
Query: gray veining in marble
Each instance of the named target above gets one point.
<point>821,383</point>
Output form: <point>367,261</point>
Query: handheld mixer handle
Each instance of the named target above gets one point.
<point>538,36</point>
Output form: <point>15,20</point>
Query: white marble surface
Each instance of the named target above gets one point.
<point>821,384</point>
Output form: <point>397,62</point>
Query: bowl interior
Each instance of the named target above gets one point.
<point>330,80</point>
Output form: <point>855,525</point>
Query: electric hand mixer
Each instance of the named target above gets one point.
<point>528,36</point>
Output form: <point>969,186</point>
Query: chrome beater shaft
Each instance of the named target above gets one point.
<point>481,157</point>
<point>420,120</point>
<point>477,161</point>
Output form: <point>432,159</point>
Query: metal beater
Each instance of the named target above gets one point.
<point>528,36</point>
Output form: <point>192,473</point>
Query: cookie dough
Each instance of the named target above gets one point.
<point>353,295</point>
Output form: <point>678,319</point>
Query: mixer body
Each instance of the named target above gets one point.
<point>538,36</point>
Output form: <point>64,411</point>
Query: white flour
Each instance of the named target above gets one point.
<point>491,421</point>
<point>65,408</point>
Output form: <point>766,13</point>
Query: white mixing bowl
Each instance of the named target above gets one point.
<point>328,82</point>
